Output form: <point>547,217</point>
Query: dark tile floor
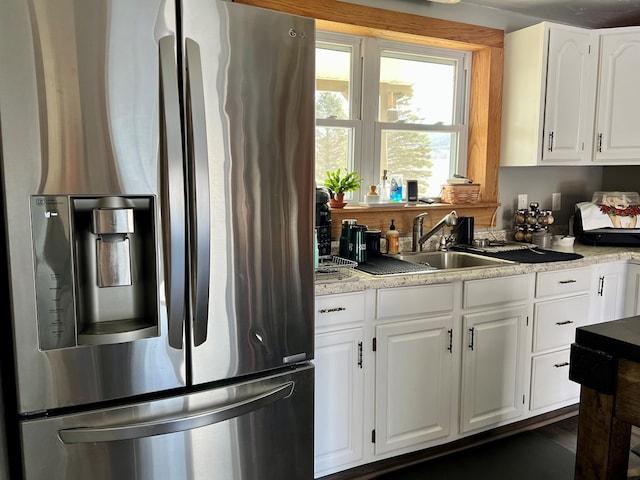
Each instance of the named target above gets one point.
<point>565,433</point>
<point>518,457</point>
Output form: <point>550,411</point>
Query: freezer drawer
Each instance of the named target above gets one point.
<point>261,429</point>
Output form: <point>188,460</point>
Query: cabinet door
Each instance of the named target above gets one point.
<point>632,295</point>
<point>569,105</point>
<point>618,111</point>
<point>339,396</point>
<point>413,382</point>
<point>607,292</point>
<point>492,376</point>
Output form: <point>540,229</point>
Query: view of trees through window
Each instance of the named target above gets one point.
<point>406,118</point>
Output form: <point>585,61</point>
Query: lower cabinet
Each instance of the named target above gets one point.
<point>562,303</point>
<point>607,291</point>
<point>339,382</point>
<point>407,368</point>
<point>632,294</point>
<point>492,367</point>
<point>413,382</point>
<point>494,325</point>
<point>339,396</point>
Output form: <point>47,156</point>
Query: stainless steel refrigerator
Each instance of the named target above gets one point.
<point>157,189</point>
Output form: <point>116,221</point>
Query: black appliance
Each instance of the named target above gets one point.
<point>464,231</point>
<point>323,221</point>
<point>620,237</point>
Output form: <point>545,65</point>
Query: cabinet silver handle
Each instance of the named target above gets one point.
<point>450,346</point>
<point>565,322</point>
<point>560,365</point>
<point>600,286</point>
<point>567,281</point>
<point>332,310</point>
<point>471,339</point>
<point>550,142</point>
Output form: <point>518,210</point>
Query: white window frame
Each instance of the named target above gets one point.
<point>367,129</point>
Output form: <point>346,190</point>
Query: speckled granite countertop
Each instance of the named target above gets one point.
<point>591,255</point>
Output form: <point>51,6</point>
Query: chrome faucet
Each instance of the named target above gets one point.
<point>418,238</point>
<point>417,231</point>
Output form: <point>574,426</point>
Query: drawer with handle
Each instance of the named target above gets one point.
<point>563,282</point>
<point>555,321</point>
<point>550,384</point>
<point>338,309</point>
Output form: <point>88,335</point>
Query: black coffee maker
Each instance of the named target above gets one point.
<point>323,221</point>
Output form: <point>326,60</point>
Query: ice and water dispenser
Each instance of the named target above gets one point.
<point>96,269</point>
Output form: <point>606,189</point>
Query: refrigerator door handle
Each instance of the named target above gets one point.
<point>110,433</point>
<point>200,196</point>
<point>172,192</point>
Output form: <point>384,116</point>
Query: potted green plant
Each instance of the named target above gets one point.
<point>339,184</point>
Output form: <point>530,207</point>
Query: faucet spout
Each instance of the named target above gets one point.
<point>449,220</point>
<point>417,231</point>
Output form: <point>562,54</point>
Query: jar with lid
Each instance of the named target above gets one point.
<point>521,216</point>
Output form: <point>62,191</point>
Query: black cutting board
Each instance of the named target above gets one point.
<point>527,255</point>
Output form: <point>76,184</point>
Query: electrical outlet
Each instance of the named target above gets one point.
<point>523,201</point>
<point>556,202</point>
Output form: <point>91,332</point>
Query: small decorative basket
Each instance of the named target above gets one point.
<point>463,193</point>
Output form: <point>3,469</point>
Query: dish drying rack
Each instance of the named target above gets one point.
<point>334,269</point>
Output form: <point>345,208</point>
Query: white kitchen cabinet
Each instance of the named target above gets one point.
<point>494,327</point>
<point>414,336</point>
<point>618,106</point>
<point>492,364</point>
<point>339,382</point>
<point>607,292</point>
<point>548,96</point>
<point>413,382</point>
<point>561,305</point>
<point>632,290</point>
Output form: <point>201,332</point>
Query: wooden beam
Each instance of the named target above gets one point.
<point>452,34</point>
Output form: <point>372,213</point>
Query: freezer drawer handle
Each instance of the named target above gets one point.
<point>130,431</point>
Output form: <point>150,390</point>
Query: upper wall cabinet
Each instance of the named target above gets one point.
<point>617,138</point>
<point>570,96</point>
<point>548,96</point>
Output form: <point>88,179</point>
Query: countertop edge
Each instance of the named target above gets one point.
<point>591,256</point>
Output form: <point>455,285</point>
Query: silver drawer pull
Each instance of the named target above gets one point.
<point>332,310</point>
<point>566,322</point>
<point>567,281</point>
<point>563,364</point>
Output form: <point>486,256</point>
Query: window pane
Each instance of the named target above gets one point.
<point>418,155</point>
<point>416,90</point>
<point>333,150</point>
<point>333,83</point>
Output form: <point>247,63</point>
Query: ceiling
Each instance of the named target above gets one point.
<point>584,13</point>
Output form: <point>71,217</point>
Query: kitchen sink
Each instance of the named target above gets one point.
<point>451,260</point>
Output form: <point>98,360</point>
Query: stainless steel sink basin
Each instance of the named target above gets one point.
<point>451,260</point>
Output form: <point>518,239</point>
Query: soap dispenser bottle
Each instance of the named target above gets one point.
<point>393,239</point>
